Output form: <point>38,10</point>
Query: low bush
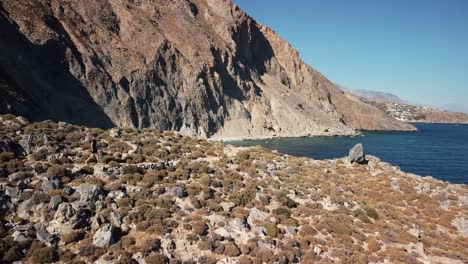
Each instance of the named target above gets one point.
<point>13,166</point>
<point>231,250</point>
<point>156,259</point>
<point>40,155</point>
<point>200,228</point>
<point>56,170</point>
<point>372,213</point>
<point>73,236</point>
<point>131,169</point>
<point>282,211</point>
<point>6,156</point>
<point>41,254</point>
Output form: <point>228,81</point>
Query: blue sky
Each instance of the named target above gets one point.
<point>416,49</point>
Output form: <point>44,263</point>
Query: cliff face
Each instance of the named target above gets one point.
<point>202,67</point>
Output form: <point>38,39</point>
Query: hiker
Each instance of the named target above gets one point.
<point>94,151</point>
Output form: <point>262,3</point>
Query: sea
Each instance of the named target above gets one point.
<point>437,150</point>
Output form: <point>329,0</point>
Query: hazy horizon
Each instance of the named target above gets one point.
<point>415,50</point>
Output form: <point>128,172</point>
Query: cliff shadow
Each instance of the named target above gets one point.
<point>41,75</point>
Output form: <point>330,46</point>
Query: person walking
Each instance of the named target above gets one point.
<point>94,151</point>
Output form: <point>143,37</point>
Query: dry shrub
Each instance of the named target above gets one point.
<point>6,156</point>
<point>73,236</point>
<point>231,250</point>
<point>200,228</point>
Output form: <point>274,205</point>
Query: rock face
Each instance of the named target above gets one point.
<point>202,67</point>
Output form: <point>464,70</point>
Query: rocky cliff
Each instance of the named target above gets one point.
<point>202,67</point>
<point>166,198</point>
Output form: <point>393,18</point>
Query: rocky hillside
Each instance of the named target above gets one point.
<point>414,113</point>
<point>201,67</point>
<point>166,198</point>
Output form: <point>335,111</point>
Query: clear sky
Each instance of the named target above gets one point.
<point>416,49</point>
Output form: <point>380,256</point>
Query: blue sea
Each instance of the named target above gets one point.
<point>438,150</point>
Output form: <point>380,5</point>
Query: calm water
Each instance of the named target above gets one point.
<point>438,150</point>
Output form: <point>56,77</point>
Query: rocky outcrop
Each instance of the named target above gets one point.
<point>215,203</point>
<point>356,154</point>
<point>202,67</point>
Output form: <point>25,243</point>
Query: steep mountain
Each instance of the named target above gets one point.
<point>202,67</point>
<point>377,95</point>
<point>393,106</point>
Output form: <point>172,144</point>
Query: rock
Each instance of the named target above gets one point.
<point>51,183</point>
<point>44,236</point>
<point>227,206</point>
<point>68,191</point>
<point>115,132</point>
<point>117,195</point>
<point>13,192</point>
<point>356,154</point>
<point>261,230</point>
<point>317,250</point>
<point>55,201</point>
<point>15,176</point>
<point>66,218</point>
<point>168,246</point>
<point>22,185</point>
<point>395,186</point>
<point>178,191</point>
<point>223,232</point>
<point>271,167</point>
<point>115,218</point>
<point>27,142</point>
<point>20,236</point>
<point>291,230</point>
<point>256,215</point>
<point>105,236</point>
<point>239,225</point>
<point>461,224</point>
<point>89,193</point>
<point>22,120</point>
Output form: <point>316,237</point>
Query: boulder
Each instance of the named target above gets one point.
<point>67,217</point>
<point>20,236</point>
<point>30,142</point>
<point>178,191</point>
<point>89,193</point>
<point>45,237</point>
<point>22,120</point>
<point>15,176</point>
<point>105,236</point>
<point>356,154</point>
<point>256,215</point>
<point>51,183</point>
<point>68,191</point>
<point>55,201</point>
<point>13,192</point>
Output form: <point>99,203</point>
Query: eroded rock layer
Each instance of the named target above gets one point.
<point>202,67</point>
